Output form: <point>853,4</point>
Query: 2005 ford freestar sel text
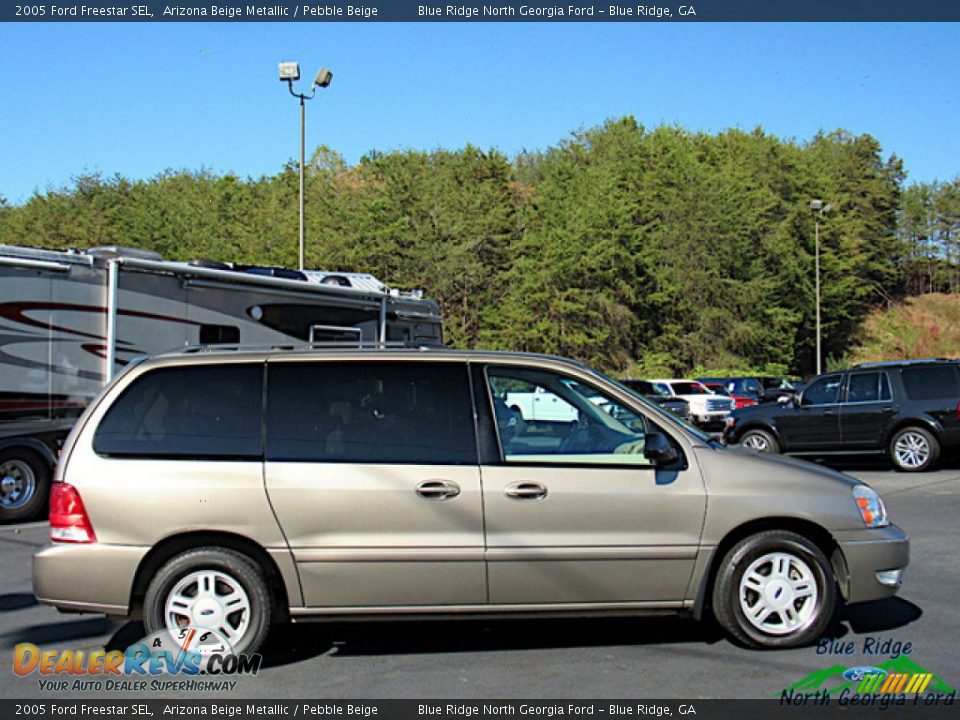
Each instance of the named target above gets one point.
<point>234,489</point>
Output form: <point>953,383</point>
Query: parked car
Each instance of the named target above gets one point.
<point>909,410</point>
<point>739,401</point>
<point>707,409</point>
<point>761,389</point>
<point>675,405</point>
<point>229,490</point>
<point>539,405</point>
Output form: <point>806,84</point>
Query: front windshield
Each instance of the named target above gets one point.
<point>689,388</point>
<point>718,390</point>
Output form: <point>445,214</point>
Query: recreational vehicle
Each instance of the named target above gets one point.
<point>69,320</point>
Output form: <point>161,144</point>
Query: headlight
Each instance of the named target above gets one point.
<point>871,507</point>
<point>730,422</point>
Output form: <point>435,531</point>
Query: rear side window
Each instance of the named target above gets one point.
<point>868,387</point>
<point>202,411</point>
<point>405,413</point>
<point>931,382</point>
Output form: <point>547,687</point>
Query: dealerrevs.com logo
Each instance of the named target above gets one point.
<point>150,664</point>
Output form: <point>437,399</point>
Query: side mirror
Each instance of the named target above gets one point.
<point>658,449</point>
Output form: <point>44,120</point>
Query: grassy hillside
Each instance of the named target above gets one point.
<point>922,326</point>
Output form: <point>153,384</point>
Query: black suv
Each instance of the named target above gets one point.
<point>675,405</point>
<point>908,409</point>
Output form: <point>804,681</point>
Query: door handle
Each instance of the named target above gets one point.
<point>525,491</point>
<point>887,409</point>
<point>438,490</point>
<point>828,413</point>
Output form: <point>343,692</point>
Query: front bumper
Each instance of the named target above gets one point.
<point>86,577</point>
<point>710,419</point>
<point>868,552</point>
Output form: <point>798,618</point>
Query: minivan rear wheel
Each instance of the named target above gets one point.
<point>215,589</point>
<point>913,449</point>
<point>774,589</point>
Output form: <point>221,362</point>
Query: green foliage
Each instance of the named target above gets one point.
<point>644,252</point>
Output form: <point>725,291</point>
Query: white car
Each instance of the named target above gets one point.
<point>541,406</point>
<point>706,408</point>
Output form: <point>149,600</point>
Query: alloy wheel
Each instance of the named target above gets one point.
<point>208,599</point>
<point>779,594</point>
<point>757,442</point>
<point>912,450</point>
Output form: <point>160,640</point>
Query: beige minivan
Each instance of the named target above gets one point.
<point>231,490</point>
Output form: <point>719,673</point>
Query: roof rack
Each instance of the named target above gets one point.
<point>894,363</point>
<point>306,347</point>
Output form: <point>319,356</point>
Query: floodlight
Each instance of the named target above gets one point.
<point>289,71</point>
<point>323,79</point>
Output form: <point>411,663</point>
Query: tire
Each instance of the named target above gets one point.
<point>913,449</point>
<point>24,485</point>
<point>232,571</point>
<point>807,570</point>
<point>760,441</point>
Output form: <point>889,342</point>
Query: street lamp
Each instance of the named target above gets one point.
<point>819,208</point>
<point>290,72</point>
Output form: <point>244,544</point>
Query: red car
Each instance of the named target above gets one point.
<point>740,401</point>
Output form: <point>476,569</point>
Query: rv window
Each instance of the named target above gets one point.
<point>332,333</point>
<point>370,412</point>
<point>187,412</point>
<point>219,335</point>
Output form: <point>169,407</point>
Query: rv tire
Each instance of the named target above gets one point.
<point>24,485</point>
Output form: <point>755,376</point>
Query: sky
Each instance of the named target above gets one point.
<point>136,99</point>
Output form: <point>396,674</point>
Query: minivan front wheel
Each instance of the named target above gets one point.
<point>211,588</point>
<point>913,449</point>
<point>774,589</point>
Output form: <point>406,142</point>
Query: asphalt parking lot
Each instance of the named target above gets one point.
<point>575,658</point>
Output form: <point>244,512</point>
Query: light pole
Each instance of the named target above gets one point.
<point>819,208</point>
<point>289,72</point>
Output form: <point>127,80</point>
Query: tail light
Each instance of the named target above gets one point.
<point>69,521</point>
<point>958,411</point>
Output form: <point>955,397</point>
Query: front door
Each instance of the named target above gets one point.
<point>814,422</point>
<point>372,470</point>
<point>574,511</point>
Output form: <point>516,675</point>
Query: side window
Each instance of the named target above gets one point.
<point>219,334</point>
<point>580,425</point>
<point>885,393</point>
<point>932,382</point>
<point>864,387</point>
<point>370,412</point>
<point>200,411</point>
<point>824,391</point>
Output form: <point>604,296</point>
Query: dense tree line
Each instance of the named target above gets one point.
<point>640,251</point>
<point>930,230</point>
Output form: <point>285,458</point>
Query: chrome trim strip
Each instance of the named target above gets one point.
<point>492,608</point>
<point>502,554</point>
<point>413,554</point>
<point>85,607</point>
<point>673,552</point>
